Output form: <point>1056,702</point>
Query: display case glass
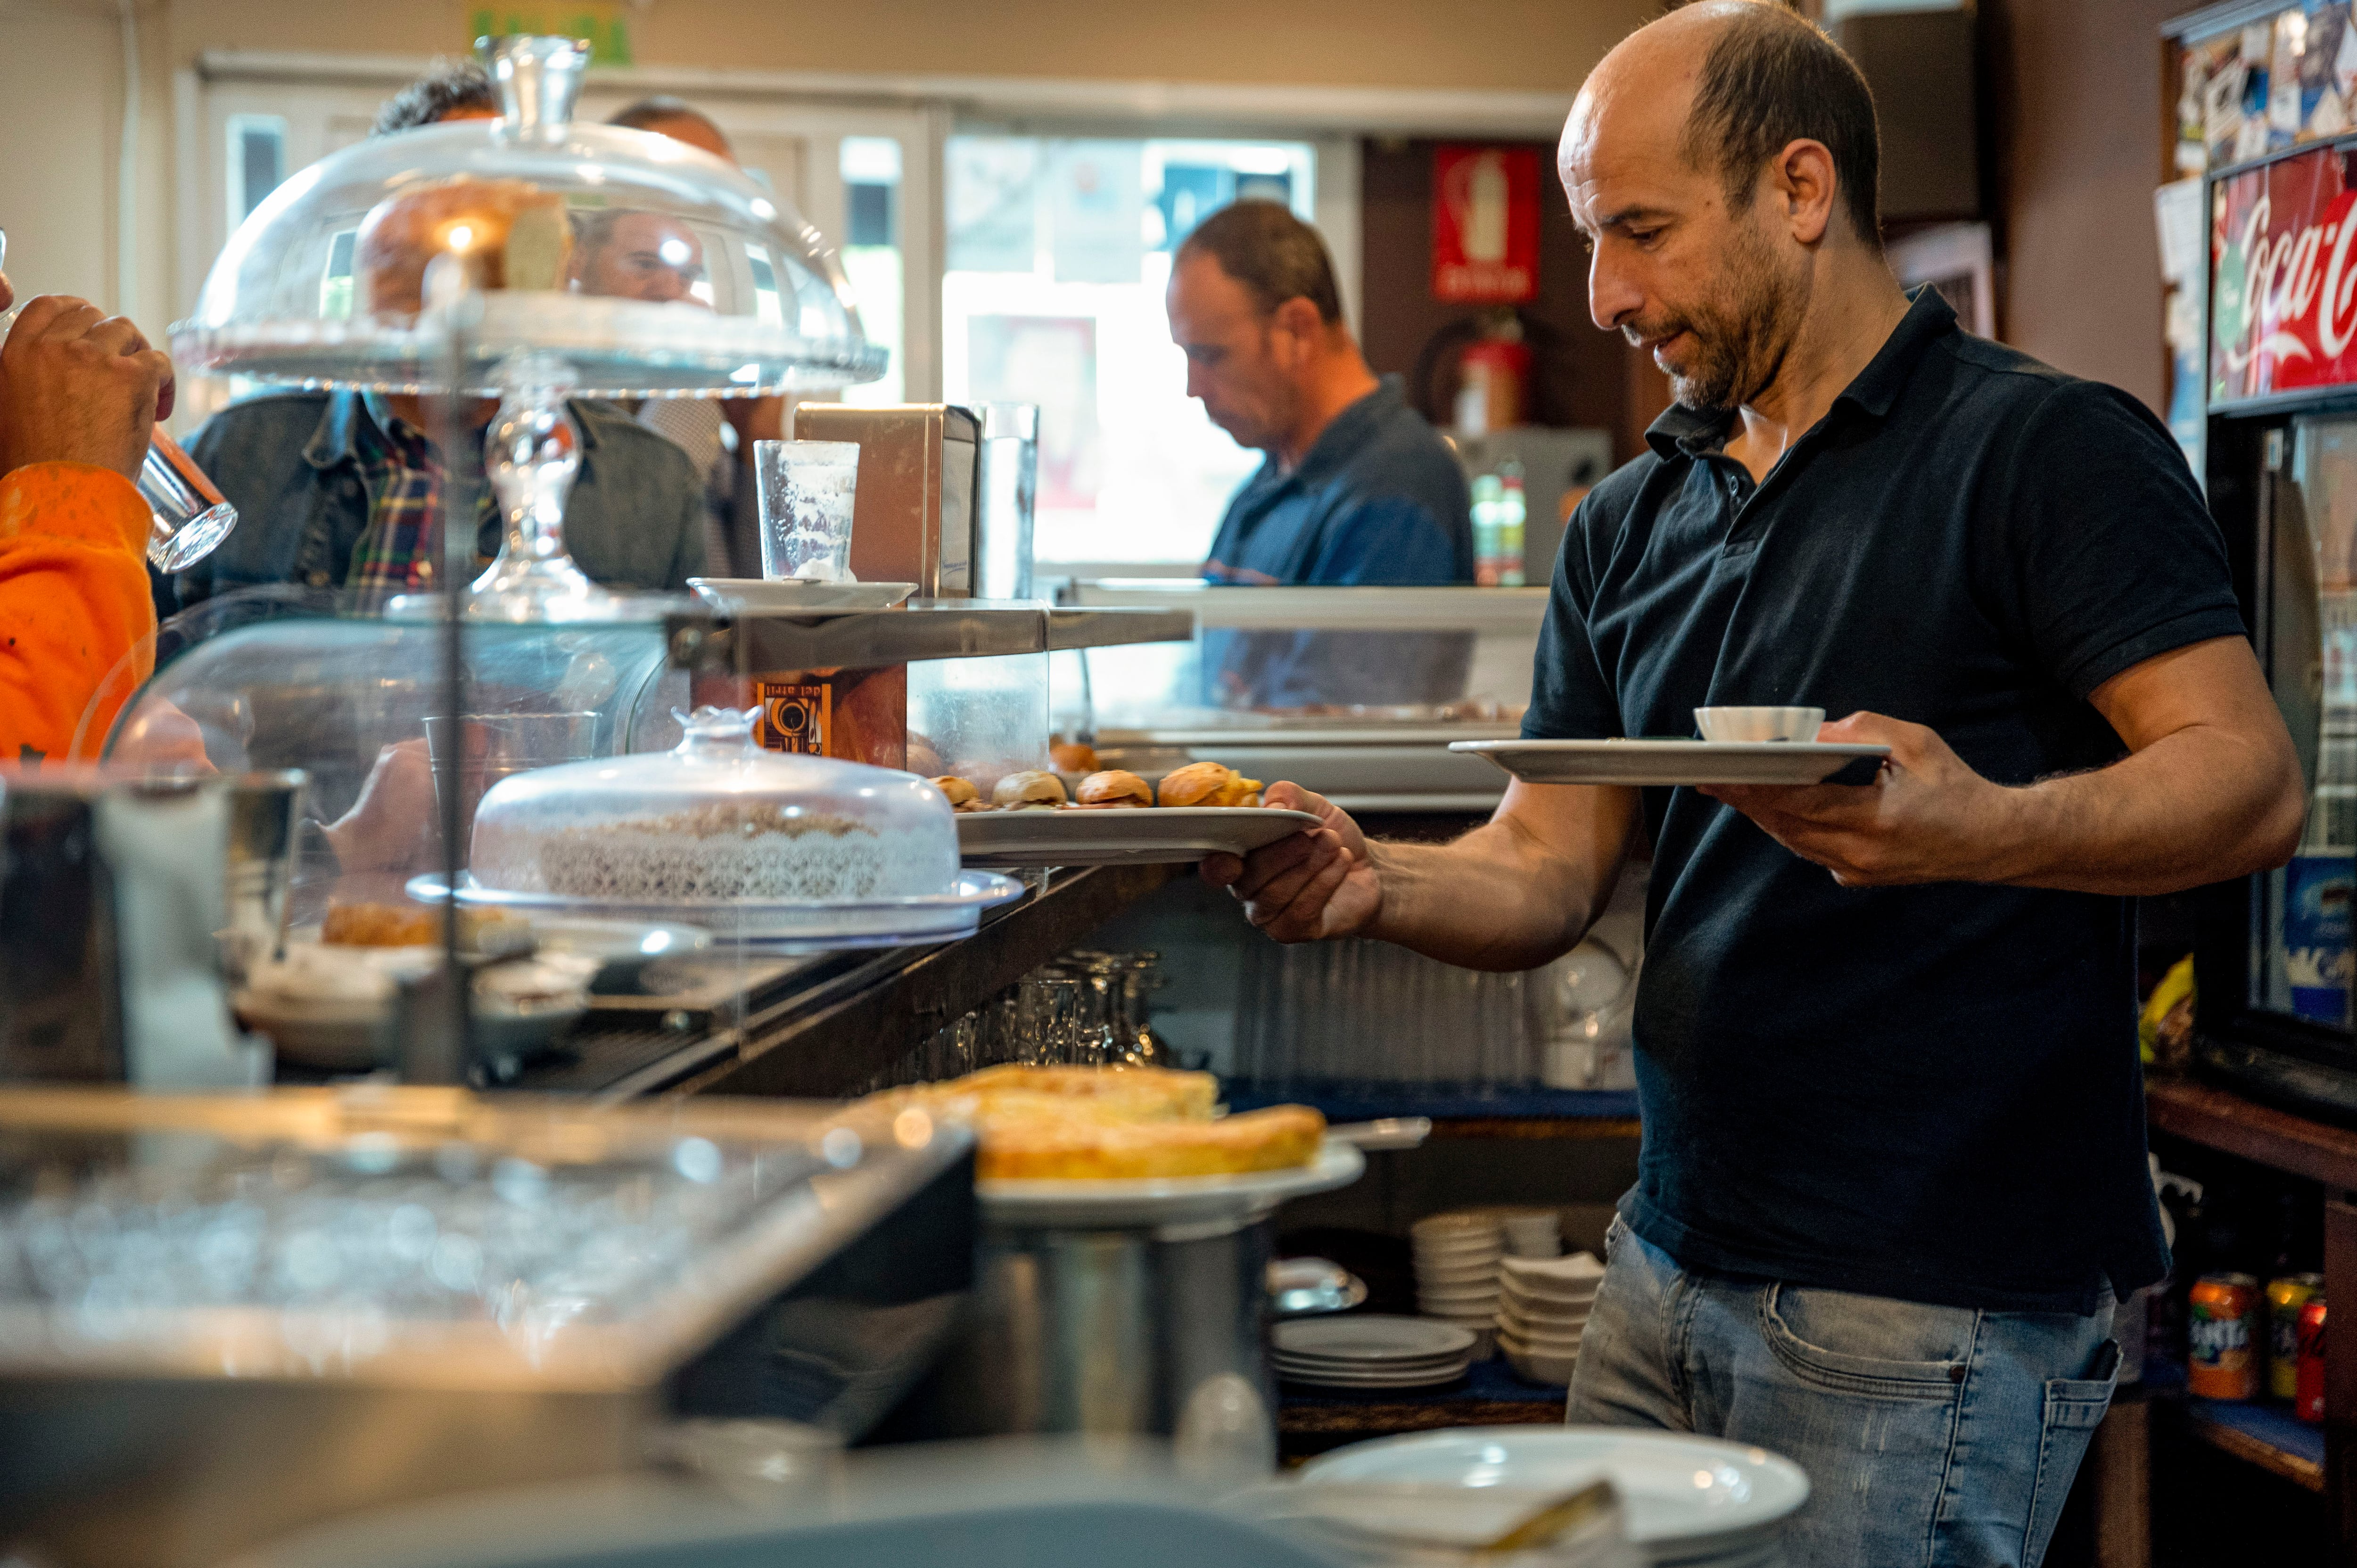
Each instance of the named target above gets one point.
<point>653,268</point>
<point>2302,958</point>
<point>1282,658</point>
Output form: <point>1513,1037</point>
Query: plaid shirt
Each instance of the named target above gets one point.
<point>400,549</point>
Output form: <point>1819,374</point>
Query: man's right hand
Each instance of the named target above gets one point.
<point>1317,884</point>
<point>76,386</point>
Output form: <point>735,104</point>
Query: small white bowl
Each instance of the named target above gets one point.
<point>1759,724</point>
<point>1540,1344</point>
<point>1460,1304</point>
<point>1541,1367</point>
<point>1525,1325</point>
<point>1581,1268</point>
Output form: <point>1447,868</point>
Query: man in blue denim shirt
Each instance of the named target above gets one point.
<point>1357,490</point>
<point>1893,1171</point>
<point>1357,487</point>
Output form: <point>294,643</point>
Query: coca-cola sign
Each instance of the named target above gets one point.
<point>2283,281</point>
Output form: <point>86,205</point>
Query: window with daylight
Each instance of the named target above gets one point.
<point>1059,251</point>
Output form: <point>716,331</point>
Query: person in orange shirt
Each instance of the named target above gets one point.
<point>79,392</point>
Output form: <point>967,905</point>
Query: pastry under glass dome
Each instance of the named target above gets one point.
<point>754,844</point>
<point>530,259</point>
<point>327,282</point>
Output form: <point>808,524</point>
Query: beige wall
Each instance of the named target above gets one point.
<point>1524,44</point>
<point>61,72</point>
<point>2079,150</point>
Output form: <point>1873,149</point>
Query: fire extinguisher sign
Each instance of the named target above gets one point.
<point>1485,225</point>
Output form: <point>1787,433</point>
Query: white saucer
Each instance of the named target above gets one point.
<point>1669,762</point>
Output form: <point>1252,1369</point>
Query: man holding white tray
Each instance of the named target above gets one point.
<point>1893,1174</point>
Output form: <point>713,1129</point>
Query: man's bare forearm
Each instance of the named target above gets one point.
<point>1506,896</point>
<point>2201,805</point>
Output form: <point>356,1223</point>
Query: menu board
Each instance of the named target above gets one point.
<point>2283,279</point>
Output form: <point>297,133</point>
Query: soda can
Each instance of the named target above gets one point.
<point>2285,1296</point>
<point>2308,1402</point>
<point>2222,1360</point>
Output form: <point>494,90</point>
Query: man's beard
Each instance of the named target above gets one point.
<point>1738,333</point>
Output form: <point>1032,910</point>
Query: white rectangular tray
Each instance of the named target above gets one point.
<point>1671,762</point>
<point>1147,835</point>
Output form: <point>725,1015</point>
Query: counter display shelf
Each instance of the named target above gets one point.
<point>1354,693</point>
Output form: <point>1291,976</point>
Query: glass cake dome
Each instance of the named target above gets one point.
<point>751,843</point>
<point>651,267</point>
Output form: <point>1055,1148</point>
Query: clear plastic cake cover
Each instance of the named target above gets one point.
<point>651,267</point>
<point>752,842</point>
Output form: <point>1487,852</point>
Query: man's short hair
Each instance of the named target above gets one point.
<point>1771,78</point>
<point>451,87</point>
<point>1274,254</point>
<point>649,112</point>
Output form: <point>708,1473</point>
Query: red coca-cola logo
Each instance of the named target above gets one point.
<point>2283,294</point>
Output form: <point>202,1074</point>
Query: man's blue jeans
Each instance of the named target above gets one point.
<point>1931,1435</point>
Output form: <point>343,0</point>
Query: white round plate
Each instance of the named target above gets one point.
<point>1680,1492</point>
<point>1173,1200</point>
<point>1372,1337</point>
<point>1670,762</point>
<point>1144,835</point>
<point>1457,1281</point>
<point>762,594</point>
<point>1344,1367</point>
<point>788,924</point>
<point>1338,1381</point>
<point>1458,1224</point>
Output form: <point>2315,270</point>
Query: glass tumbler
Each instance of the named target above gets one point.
<point>807,492</point>
<point>188,516</point>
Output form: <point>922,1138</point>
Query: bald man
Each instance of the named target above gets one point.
<point>1893,1171</point>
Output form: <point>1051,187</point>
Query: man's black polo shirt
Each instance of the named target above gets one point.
<point>1933,1093</point>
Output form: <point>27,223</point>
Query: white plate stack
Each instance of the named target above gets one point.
<point>1371,1352</point>
<point>1457,1257</point>
<point>1543,1307</point>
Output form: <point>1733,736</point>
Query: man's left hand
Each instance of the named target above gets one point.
<point>1926,817</point>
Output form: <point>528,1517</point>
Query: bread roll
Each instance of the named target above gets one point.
<point>1071,756</point>
<point>1030,790</point>
<point>1116,787</point>
<point>962,795</point>
<point>1207,784</point>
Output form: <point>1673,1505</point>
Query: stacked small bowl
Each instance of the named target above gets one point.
<point>1457,1257</point>
<point>1543,1307</point>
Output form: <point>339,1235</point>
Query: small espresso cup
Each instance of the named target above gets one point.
<point>1759,724</point>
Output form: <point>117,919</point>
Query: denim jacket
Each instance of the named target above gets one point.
<point>289,462</point>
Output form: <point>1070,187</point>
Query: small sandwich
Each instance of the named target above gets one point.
<point>1029,790</point>
<point>1207,784</point>
<point>962,795</point>
<point>1071,756</point>
<point>1116,788</point>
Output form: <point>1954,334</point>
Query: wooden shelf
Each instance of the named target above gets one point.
<point>2221,1119</point>
<point>2266,1435</point>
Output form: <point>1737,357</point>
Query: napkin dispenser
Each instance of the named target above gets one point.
<point>913,514</point>
<point>124,906</point>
